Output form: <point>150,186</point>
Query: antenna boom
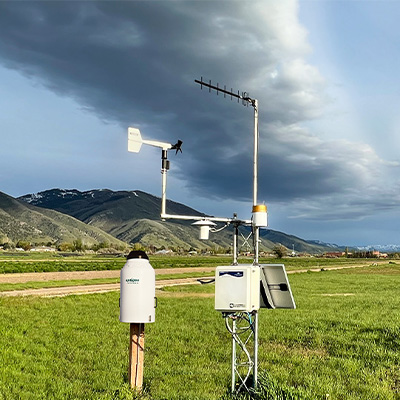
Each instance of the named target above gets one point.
<point>218,89</point>
<point>244,96</point>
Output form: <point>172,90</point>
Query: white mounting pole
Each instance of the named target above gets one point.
<point>255,179</point>
<point>164,169</point>
<point>235,244</point>
<point>255,367</point>
<point>255,163</point>
<point>163,196</point>
<point>256,234</point>
<point>233,381</point>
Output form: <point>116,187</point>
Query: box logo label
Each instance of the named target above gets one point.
<point>235,274</point>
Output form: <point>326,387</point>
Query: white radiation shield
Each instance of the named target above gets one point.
<point>205,226</point>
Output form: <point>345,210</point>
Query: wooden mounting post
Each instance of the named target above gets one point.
<point>136,355</point>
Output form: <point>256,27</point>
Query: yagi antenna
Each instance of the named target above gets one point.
<point>244,96</point>
<point>246,100</point>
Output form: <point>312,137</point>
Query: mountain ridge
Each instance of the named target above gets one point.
<point>134,216</point>
<point>22,221</point>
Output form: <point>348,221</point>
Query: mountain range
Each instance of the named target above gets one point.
<point>23,221</point>
<point>134,216</point>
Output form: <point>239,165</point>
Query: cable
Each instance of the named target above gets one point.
<point>219,229</point>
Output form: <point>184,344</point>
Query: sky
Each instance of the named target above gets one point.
<point>75,75</point>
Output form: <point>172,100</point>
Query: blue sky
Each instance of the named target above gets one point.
<point>75,75</point>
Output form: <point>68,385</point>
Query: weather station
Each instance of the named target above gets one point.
<point>240,289</point>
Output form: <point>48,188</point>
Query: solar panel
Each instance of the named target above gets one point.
<point>275,289</point>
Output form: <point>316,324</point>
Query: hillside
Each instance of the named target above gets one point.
<point>131,216</point>
<point>105,207</point>
<point>134,216</point>
<point>21,221</point>
<point>299,245</point>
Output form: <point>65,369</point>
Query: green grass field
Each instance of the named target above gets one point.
<point>342,342</point>
<point>52,262</point>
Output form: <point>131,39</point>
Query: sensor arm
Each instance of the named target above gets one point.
<point>154,143</point>
<point>135,142</point>
<point>202,218</point>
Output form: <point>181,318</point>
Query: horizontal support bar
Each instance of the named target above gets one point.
<point>199,218</point>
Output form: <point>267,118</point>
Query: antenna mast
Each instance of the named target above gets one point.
<point>259,219</point>
<point>246,100</point>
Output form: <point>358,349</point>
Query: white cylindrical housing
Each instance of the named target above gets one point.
<point>204,232</point>
<point>138,290</point>
<point>260,216</point>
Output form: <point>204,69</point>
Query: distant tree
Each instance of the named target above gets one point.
<point>364,254</point>
<point>138,247</point>
<point>279,250</point>
<point>24,245</point>
<point>77,245</point>
<point>101,245</point>
<point>122,247</point>
<point>65,246</point>
<point>217,250</point>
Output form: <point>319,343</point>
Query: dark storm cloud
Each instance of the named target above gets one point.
<point>135,63</point>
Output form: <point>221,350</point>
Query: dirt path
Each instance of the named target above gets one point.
<point>108,287</point>
<point>76,275</point>
<point>87,289</point>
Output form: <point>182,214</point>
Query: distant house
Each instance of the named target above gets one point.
<point>42,249</point>
<point>163,252</point>
<point>378,254</point>
<point>335,254</point>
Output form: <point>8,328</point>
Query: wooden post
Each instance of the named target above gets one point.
<point>136,355</point>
